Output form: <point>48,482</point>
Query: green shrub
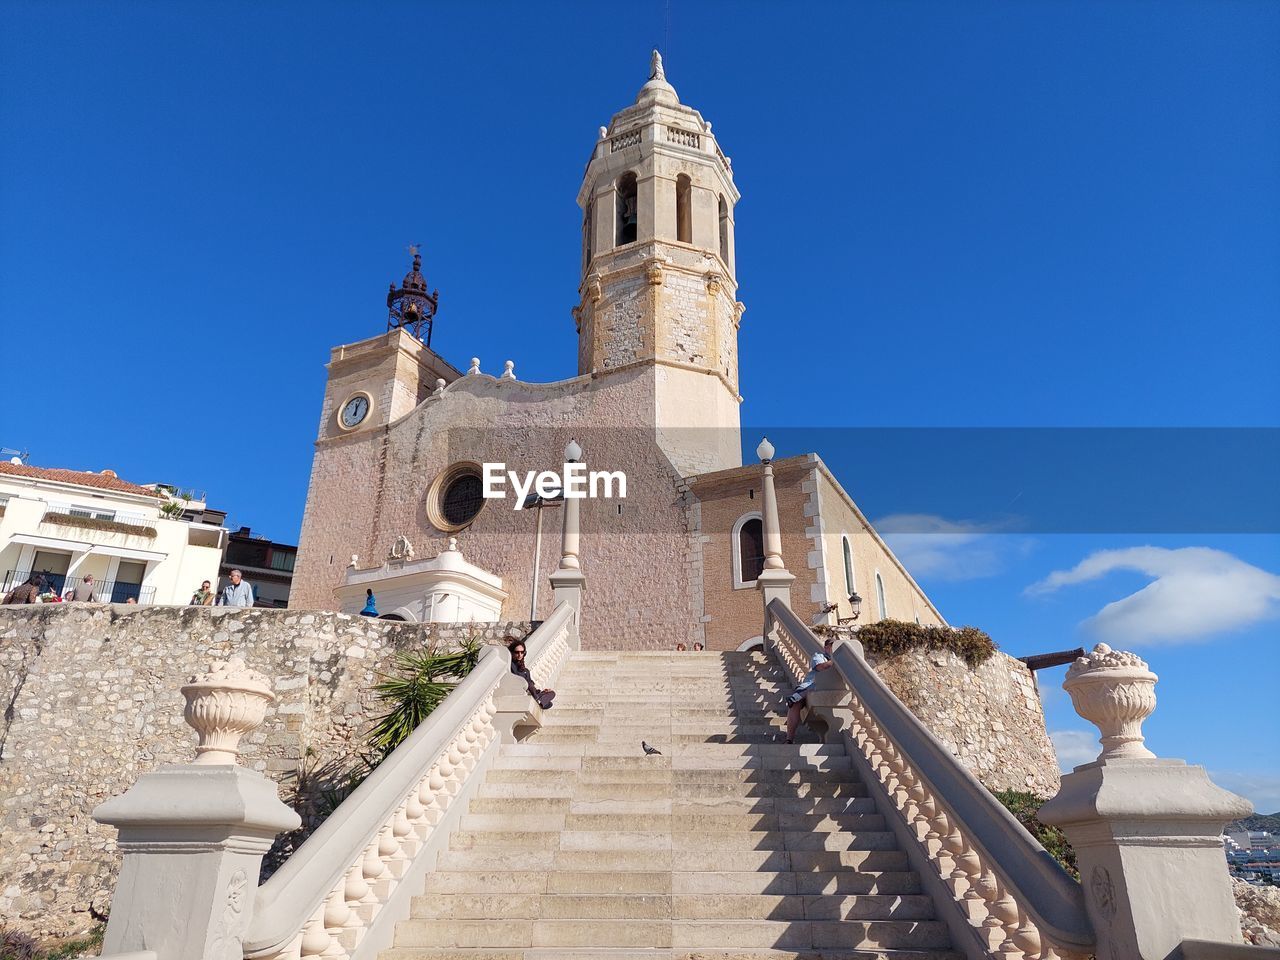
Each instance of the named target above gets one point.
<point>418,683</point>
<point>1024,805</point>
<point>888,638</point>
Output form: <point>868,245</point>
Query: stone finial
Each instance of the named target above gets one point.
<point>439,391</point>
<point>223,705</point>
<point>604,132</point>
<point>453,545</point>
<point>355,559</point>
<point>508,370</point>
<point>1115,691</point>
<point>475,366</point>
<point>655,67</point>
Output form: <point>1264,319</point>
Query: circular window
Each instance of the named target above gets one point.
<point>456,497</point>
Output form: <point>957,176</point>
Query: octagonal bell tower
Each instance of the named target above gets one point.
<point>658,286</point>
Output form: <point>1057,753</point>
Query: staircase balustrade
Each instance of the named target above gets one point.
<point>1016,901</point>
<point>342,892</point>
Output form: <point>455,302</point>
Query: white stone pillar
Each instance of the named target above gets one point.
<point>774,582</point>
<point>568,581</point>
<point>193,835</point>
<point>1147,831</point>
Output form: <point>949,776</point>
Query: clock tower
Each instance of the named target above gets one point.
<point>375,381</point>
<point>659,285</point>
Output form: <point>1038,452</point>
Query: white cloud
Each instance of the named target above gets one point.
<point>1197,592</point>
<point>932,546</point>
<point>1075,747</point>
<point>1260,789</point>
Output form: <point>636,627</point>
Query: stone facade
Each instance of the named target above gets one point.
<point>989,716</point>
<point>92,701</point>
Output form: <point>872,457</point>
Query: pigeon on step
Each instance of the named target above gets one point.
<point>651,751</point>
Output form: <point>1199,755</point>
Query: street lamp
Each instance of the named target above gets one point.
<point>536,501</point>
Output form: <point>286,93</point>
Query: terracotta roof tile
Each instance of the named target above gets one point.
<point>82,478</point>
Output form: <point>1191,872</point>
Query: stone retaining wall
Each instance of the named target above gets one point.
<point>91,701</point>
<point>989,716</point>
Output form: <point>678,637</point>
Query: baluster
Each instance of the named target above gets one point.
<point>336,917</point>
<point>315,939</point>
<point>355,891</point>
<point>401,829</point>
<point>1027,938</point>
<point>988,890</point>
<point>414,808</point>
<point>429,792</point>
<point>1005,911</point>
<point>455,760</point>
<point>389,849</point>
<point>373,870</point>
<point>942,856</point>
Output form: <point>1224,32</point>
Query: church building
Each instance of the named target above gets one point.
<point>395,501</point>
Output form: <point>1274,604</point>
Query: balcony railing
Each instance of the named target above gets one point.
<point>104,591</point>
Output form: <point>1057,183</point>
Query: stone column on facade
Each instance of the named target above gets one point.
<point>1147,831</point>
<point>774,582</point>
<point>568,581</point>
<point>193,835</point>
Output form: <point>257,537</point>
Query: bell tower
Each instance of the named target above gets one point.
<point>659,286</point>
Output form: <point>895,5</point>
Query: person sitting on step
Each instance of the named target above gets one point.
<point>799,698</point>
<point>544,697</point>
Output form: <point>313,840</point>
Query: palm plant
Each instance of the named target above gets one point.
<point>419,682</point>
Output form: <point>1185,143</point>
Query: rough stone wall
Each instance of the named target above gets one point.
<point>684,326</point>
<point>989,716</point>
<point>91,701</point>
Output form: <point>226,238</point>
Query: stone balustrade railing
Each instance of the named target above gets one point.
<point>193,835</point>
<point>341,893</point>
<point>1014,900</point>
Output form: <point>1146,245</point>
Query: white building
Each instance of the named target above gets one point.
<point>68,523</point>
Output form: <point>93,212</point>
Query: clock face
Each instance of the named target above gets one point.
<point>354,410</point>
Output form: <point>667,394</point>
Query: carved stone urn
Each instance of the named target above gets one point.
<point>223,705</point>
<point>1114,691</point>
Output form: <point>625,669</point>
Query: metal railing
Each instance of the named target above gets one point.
<point>104,591</point>
<point>1009,892</point>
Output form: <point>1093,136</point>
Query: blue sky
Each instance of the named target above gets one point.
<point>1026,215</point>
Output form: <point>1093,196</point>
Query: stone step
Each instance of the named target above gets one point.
<point>803,934</point>
<point>640,763</point>
<point>536,747</point>
<point>524,783</point>
<point>646,906</point>
<point>731,860</point>
<point>520,806</point>
<point>692,844</point>
<point>658,823</point>
<point>666,775</point>
<point>615,953</point>
<point>694,883</point>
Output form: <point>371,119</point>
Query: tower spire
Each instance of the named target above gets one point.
<point>657,89</point>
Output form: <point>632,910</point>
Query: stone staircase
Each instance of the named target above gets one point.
<point>729,845</point>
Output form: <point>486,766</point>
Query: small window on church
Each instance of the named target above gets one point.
<point>848,567</point>
<point>588,235</point>
<point>626,202</point>
<point>684,209</point>
<point>456,497</point>
<point>748,551</point>
<point>724,230</point>
<point>884,610</point>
